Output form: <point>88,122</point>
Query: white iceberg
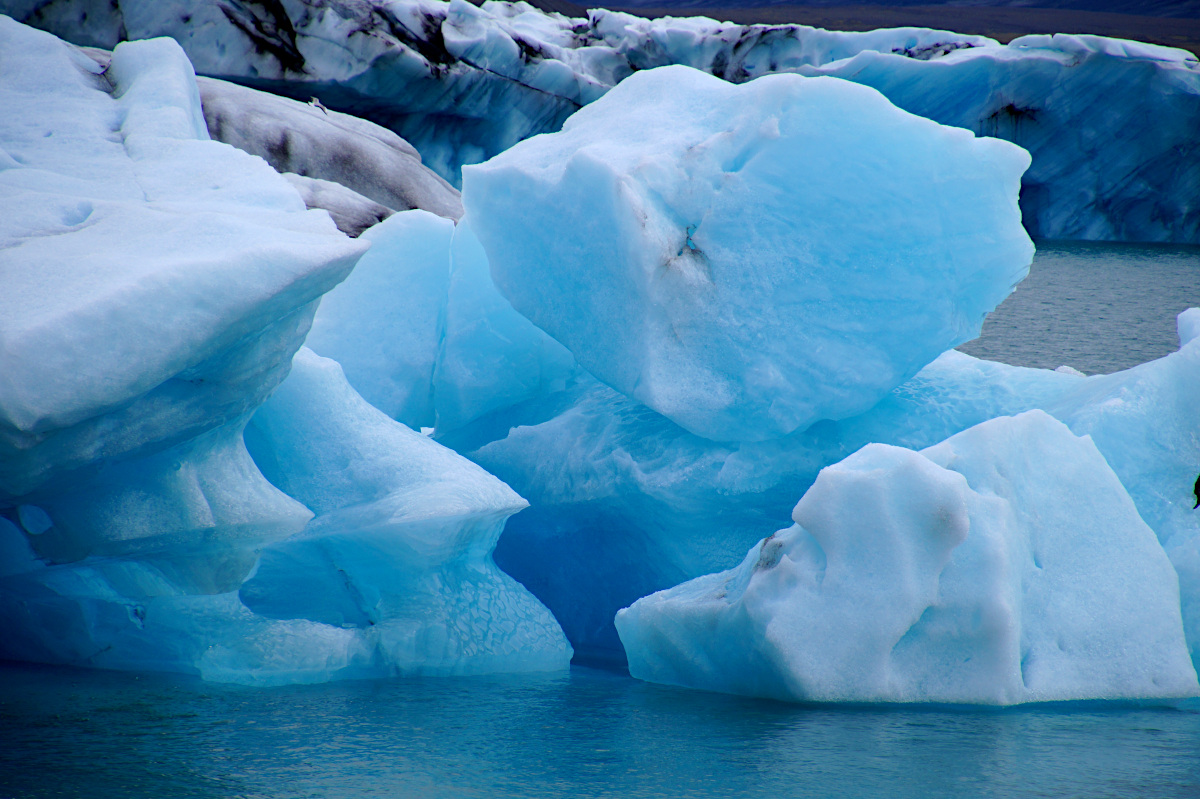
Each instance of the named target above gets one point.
<point>1004,565</point>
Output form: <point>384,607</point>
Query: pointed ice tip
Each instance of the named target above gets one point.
<point>1188,325</point>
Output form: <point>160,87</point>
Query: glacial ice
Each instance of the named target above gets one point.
<point>749,259</point>
<point>1146,422</point>
<point>392,576</point>
<point>136,530</point>
<point>156,286</point>
<point>326,145</point>
<point>464,83</point>
<point>401,544</point>
<point>1074,102</point>
<point>424,336</point>
<point>1004,565</point>
<point>118,211</point>
<point>349,210</point>
<point>624,502</point>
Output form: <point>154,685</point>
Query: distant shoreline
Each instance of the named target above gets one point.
<point>1003,24</point>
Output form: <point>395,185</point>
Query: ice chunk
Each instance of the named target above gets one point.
<point>401,547</point>
<point>394,575</point>
<point>625,502</point>
<point>747,260</point>
<point>1004,565</point>
<point>155,283</point>
<point>423,334</point>
<point>316,142</point>
<point>1146,422</point>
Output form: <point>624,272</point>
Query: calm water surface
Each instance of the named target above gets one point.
<point>75,733</point>
<point>1096,307</point>
<point>584,734</point>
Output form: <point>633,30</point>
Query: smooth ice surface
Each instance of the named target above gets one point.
<point>1004,565</point>
<point>1146,422</point>
<point>747,260</point>
<point>423,334</point>
<point>464,83</point>
<point>383,324</point>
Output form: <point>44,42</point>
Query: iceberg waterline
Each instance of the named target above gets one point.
<point>394,575</point>
<point>464,83</point>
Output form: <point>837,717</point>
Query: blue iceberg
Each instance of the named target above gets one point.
<point>747,260</point>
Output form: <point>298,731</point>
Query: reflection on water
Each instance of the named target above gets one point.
<point>1095,307</point>
<point>584,734</point>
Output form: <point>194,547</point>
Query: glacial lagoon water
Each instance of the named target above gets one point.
<point>1094,307</point>
<point>588,733</point>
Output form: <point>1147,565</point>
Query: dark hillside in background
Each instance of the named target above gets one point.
<point>1174,23</point>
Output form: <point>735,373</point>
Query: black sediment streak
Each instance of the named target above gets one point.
<point>267,25</point>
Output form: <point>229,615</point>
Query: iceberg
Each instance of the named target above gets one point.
<point>1002,566</point>
<point>749,259</point>
<point>464,83</point>
<point>157,285</point>
<point>626,503</point>
<point>1071,101</point>
<point>400,549</point>
<point>118,213</point>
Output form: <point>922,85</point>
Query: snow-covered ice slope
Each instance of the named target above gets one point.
<point>749,259</point>
<point>1004,565</point>
<point>463,83</point>
<point>156,285</point>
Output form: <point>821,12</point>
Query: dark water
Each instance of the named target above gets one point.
<point>585,734</point>
<point>1096,307</point>
<point>73,733</point>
